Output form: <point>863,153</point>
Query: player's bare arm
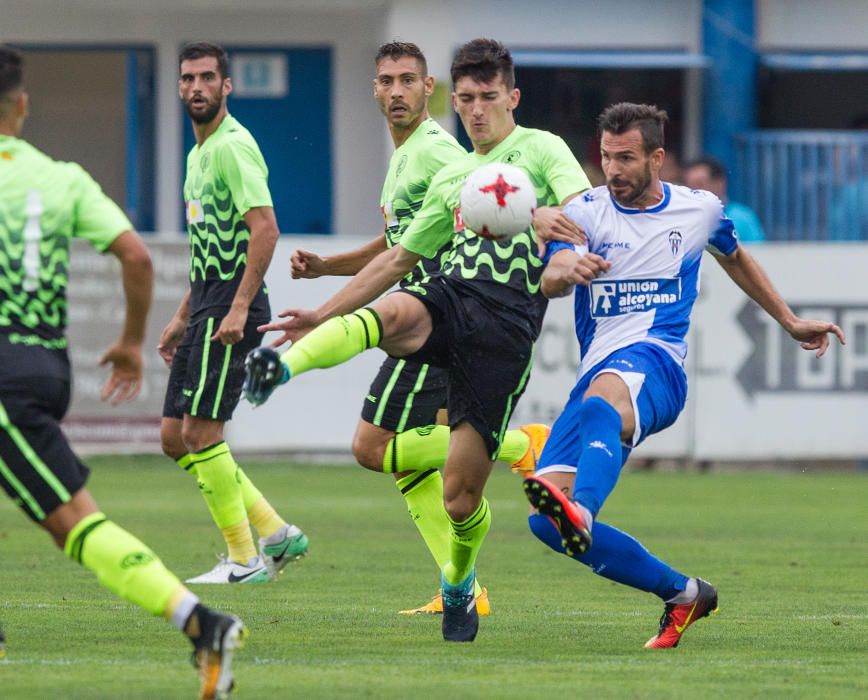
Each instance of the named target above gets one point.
<point>746,272</point>
<point>567,268</point>
<point>263,237</point>
<point>125,354</point>
<point>173,333</point>
<point>307,265</point>
<point>383,272</point>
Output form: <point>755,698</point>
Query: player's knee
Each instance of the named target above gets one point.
<point>170,440</point>
<point>195,438</point>
<point>545,531</point>
<point>172,447</point>
<point>461,507</point>
<point>368,454</point>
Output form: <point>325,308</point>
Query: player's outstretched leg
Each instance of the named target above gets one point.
<point>678,616</point>
<point>617,556</point>
<point>125,566</point>
<point>568,518</point>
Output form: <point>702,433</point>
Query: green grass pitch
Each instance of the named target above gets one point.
<point>787,551</point>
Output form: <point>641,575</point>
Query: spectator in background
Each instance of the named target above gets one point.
<point>671,170</point>
<point>848,217</point>
<point>708,173</point>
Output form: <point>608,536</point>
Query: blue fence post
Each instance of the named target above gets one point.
<point>730,84</point>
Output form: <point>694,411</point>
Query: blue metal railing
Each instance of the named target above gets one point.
<point>805,185</point>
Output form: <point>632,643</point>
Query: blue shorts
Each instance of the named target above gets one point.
<point>658,389</point>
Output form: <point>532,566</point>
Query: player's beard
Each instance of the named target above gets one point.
<point>208,115</point>
<point>637,191</point>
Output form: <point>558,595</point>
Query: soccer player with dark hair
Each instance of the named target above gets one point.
<point>477,317</point>
<point>631,323</point>
<point>232,232</point>
<point>43,204</point>
<point>397,432</point>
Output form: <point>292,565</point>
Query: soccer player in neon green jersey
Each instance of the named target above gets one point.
<point>478,317</point>
<point>232,232</point>
<point>43,204</point>
<point>396,432</point>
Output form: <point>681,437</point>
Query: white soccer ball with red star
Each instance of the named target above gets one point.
<point>497,201</point>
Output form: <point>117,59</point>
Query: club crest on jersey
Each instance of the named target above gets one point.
<point>675,242</point>
<point>511,157</point>
<point>618,297</point>
<point>401,165</point>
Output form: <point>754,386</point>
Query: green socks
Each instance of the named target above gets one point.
<point>419,448</point>
<point>121,562</point>
<point>514,446</point>
<point>249,493</point>
<point>220,483</point>
<point>426,448</point>
<point>423,492</point>
<point>335,341</point>
<point>467,538</point>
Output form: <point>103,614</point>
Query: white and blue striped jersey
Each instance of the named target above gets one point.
<point>648,293</point>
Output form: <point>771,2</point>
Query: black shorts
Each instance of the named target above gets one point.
<point>38,468</point>
<point>206,377</point>
<point>404,395</point>
<point>488,356</point>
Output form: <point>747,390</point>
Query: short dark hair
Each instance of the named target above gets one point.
<point>715,167</point>
<point>625,116</point>
<point>402,49</point>
<point>11,70</point>
<point>483,60</point>
<point>201,49</point>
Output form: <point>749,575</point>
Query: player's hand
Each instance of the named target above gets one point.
<point>170,339</point>
<point>551,224</point>
<point>306,265</point>
<point>587,268</point>
<point>298,323</point>
<point>231,329</point>
<point>263,373</point>
<point>125,380</point>
<point>814,335</point>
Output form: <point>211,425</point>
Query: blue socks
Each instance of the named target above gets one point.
<point>601,459</point>
<point>617,556</point>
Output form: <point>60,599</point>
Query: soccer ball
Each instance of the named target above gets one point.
<point>497,201</point>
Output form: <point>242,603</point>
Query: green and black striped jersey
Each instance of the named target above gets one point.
<point>226,177</point>
<point>43,204</point>
<point>507,272</point>
<point>411,168</point>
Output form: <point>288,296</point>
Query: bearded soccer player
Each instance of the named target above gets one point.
<point>477,317</point>
<point>397,432</point>
<point>43,204</point>
<point>232,232</point>
<point>632,317</point>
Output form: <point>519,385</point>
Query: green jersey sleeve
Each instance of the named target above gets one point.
<point>97,219</point>
<point>242,167</point>
<point>434,224</point>
<point>563,172</point>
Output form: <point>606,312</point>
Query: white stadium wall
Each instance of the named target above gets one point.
<point>753,393</point>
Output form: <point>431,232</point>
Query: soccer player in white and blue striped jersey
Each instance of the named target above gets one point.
<point>635,284</point>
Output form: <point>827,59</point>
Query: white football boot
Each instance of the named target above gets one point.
<point>229,571</point>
